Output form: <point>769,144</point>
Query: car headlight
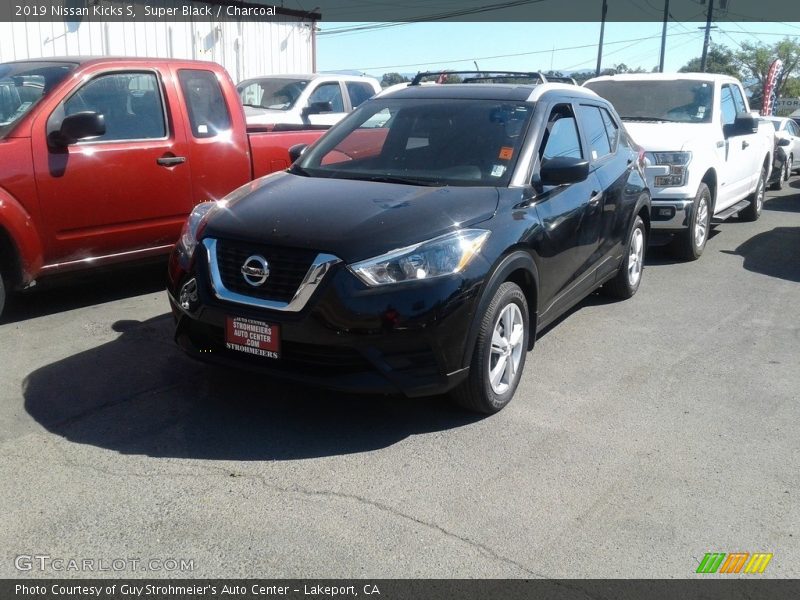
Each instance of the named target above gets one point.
<point>202,212</point>
<point>443,255</point>
<point>676,163</point>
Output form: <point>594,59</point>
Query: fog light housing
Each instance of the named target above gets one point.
<point>188,297</point>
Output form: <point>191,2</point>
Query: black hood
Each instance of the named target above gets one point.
<point>351,219</point>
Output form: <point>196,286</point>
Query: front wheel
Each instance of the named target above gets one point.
<point>499,355</point>
<point>629,275</point>
<point>784,176</point>
<point>756,199</point>
<point>690,244</point>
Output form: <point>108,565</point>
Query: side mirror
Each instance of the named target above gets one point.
<point>76,127</point>
<point>296,152</point>
<point>784,142</point>
<point>743,124</point>
<point>316,108</point>
<point>560,170</point>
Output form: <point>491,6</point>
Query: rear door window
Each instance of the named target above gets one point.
<point>595,130</point>
<point>359,92</point>
<point>208,111</point>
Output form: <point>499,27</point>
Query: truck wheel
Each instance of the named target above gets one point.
<point>756,199</point>
<point>499,355</point>
<point>784,176</point>
<point>689,244</point>
<point>2,295</point>
<point>629,274</point>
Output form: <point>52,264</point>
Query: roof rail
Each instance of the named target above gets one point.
<point>481,75</point>
<point>561,79</point>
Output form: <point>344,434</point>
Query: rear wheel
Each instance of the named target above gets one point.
<point>499,355</point>
<point>690,244</point>
<point>756,199</point>
<point>629,275</point>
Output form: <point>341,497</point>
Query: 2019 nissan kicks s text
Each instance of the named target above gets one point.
<point>420,244</point>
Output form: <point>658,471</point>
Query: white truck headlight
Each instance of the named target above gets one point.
<point>675,163</point>
<point>443,255</point>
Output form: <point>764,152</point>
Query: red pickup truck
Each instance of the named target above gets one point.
<point>102,159</point>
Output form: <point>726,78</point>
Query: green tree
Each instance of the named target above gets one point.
<point>392,79</point>
<point>754,61</point>
<point>720,59</point>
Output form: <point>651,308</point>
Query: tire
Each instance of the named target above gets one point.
<point>784,176</point>
<point>756,199</point>
<point>2,295</point>
<point>689,244</point>
<point>480,392</point>
<point>629,274</point>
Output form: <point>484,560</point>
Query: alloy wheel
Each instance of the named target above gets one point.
<point>506,353</point>
<point>701,223</point>
<point>636,257</point>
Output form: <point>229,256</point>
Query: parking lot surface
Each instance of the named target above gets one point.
<point>644,434</point>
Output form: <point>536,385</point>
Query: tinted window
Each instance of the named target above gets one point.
<point>791,127</point>
<point>22,85</point>
<point>359,92</point>
<point>738,100</point>
<point>208,112</point>
<point>129,102</point>
<point>595,131</point>
<point>728,106</point>
<point>561,136</point>
<point>683,101</point>
<point>611,129</point>
<point>328,92</point>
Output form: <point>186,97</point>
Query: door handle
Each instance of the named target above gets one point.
<point>745,144</point>
<point>595,199</point>
<point>170,161</point>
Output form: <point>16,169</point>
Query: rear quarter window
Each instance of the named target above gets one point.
<point>208,111</point>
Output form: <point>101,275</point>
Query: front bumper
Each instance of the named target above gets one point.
<point>406,339</point>
<point>671,213</point>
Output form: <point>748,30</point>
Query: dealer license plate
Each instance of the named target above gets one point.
<point>253,337</point>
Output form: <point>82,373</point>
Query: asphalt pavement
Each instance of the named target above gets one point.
<point>644,434</point>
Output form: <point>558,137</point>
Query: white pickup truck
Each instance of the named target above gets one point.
<point>707,157</point>
<point>300,100</point>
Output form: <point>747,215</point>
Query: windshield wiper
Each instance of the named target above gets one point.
<point>653,119</point>
<point>401,179</point>
<point>252,105</point>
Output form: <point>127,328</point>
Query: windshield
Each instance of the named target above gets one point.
<point>423,142</point>
<point>23,84</point>
<point>274,93</point>
<point>681,101</point>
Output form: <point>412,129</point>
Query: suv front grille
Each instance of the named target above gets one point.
<point>287,268</point>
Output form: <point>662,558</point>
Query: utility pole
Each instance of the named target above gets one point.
<point>663,37</point>
<point>708,36</point>
<point>602,32</point>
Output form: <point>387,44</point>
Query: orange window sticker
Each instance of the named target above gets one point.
<point>506,152</point>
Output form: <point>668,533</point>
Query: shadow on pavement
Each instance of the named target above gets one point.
<point>140,395</point>
<point>783,203</point>
<point>775,253</point>
<point>79,290</point>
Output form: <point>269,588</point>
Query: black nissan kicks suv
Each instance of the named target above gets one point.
<point>420,244</point>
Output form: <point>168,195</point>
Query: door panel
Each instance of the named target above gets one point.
<point>110,195</point>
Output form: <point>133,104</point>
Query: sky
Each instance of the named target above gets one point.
<point>408,48</point>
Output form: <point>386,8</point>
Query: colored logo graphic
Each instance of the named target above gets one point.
<point>737,562</point>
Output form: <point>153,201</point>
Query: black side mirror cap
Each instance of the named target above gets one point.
<point>296,152</point>
<point>78,126</point>
<point>561,170</point>
<point>784,142</point>
<point>743,124</point>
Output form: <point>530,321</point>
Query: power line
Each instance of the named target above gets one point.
<point>470,59</point>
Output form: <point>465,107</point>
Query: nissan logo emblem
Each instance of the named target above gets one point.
<point>255,270</point>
